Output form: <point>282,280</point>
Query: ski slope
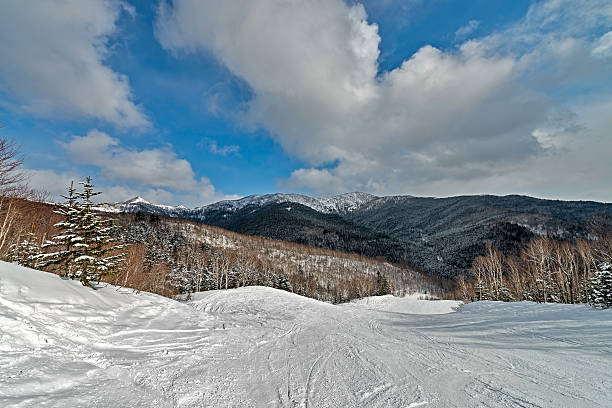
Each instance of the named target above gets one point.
<point>63,345</point>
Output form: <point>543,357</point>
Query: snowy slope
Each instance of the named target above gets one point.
<point>63,345</point>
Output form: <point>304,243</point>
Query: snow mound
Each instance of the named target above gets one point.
<point>412,304</point>
<point>255,300</point>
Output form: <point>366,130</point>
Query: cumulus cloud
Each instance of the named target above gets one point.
<point>53,182</point>
<point>155,167</point>
<point>157,174</point>
<point>462,120</point>
<point>53,60</point>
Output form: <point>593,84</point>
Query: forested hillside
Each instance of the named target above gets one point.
<point>441,236</point>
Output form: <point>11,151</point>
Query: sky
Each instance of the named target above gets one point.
<point>194,101</point>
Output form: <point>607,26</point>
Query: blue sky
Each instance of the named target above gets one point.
<point>188,102</point>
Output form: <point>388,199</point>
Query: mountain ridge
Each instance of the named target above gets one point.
<point>340,202</point>
<point>440,236</point>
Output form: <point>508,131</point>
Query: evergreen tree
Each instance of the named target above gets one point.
<point>505,295</point>
<point>601,286</point>
<point>66,239</point>
<point>282,282</point>
<point>382,285</point>
<point>96,250</point>
<point>87,244</point>
<point>25,253</point>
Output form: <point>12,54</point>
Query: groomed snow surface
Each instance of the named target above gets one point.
<point>64,345</point>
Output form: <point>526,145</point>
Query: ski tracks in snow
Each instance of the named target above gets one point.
<point>259,347</point>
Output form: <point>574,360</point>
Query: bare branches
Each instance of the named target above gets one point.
<point>546,270</point>
<point>12,178</point>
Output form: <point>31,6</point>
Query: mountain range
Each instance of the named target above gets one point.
<point>440,236</point>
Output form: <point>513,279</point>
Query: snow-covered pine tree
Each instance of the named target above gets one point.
<point>182,278</point>
<point>283,282</point>
<point>97,249</point>
<point>601,286</point>
<point>505,295</point>
<point>63,243</point>
<point>25,253</point>
<point>382,285</point>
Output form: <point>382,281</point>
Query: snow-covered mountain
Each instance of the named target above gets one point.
<point>338,204</point>
<point>137,204</point>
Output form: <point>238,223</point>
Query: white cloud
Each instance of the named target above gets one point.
<point>559,132</point>
<point>93,148</point>
<point>53,60</point>
<point>53,182</point>
<point>321,180</point>
<point>467,29</point>
<point>119,193</point>
<point>154,167</point>
<point>56,183</point>
<point>159,175</point>
<point>462,117</point>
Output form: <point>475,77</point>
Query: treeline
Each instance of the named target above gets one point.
<point>545,270</point>
<point>171,256</point>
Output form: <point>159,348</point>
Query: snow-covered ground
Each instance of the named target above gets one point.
<point>65,345</point>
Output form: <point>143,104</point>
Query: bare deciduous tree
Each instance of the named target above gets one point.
<point>12,178</point>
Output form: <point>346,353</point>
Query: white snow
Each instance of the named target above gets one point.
<point>410,304</point>
<point>65,345</point>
